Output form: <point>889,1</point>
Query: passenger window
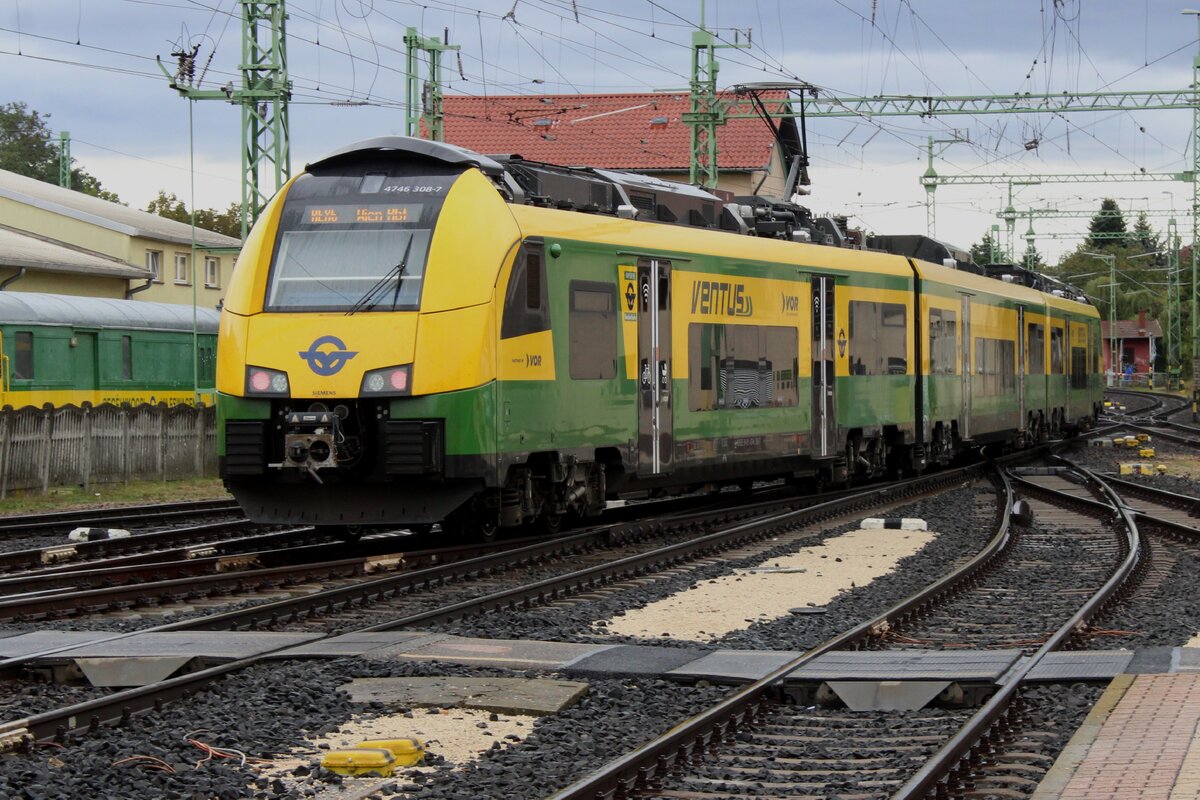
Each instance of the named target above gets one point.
<point>878,344</point>
<point>23,360</point>
<point>1056,350</point>
<point>526,306</point>
<point>593,350</point>
<point>127,358</point>
<point>742,366</point>
<point>1036,342</point>
<point>943,341</point>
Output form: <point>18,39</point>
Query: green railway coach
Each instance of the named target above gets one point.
<point>58,350</point>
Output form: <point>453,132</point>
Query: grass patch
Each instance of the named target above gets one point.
<point>101,495</point>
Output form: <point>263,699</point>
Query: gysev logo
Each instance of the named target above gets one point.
<point>724,299</point>
<point>327,355</point>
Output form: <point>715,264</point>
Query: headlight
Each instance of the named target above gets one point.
<point>269,382</point>
<point>388,381</point>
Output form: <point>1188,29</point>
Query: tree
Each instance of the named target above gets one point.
<point>27,147</point>
<point>228,222</point>
<point>1107,228</point>
<point>986,250</point>
<point>1144,236</point>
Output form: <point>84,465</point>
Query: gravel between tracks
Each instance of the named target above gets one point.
<point>267,710</point>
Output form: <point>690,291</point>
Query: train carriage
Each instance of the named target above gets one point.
<point>62,350</point>
<point>417,334</point>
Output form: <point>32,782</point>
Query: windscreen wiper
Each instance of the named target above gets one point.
<point>369,300</point>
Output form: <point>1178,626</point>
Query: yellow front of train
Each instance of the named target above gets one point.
<point>361,316</point>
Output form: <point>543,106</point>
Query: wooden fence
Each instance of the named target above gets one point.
<point>105,444</point>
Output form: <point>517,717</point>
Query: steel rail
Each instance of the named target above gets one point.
<point>623,775</point>
<point>938,767</point>
<point>27,523</point>
<point>122,705</point>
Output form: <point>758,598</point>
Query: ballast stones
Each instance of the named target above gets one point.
<point>894,523</point>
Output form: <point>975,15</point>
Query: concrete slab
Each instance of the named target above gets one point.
<point>350,644</point>
<point>733,666</point>
<point>508,653</point>
<point>1151,660</point>
<point>126,672</point>
<point>211,645</point>
<point>909,665</point>
<point>1186,659</point>
<point>35,642</point>
<point>633,659</point>
<point>1081,666</point>
<point>530,697</point>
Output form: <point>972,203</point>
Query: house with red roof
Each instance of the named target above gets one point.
<point>633,132</point>
<point>1135,343</point>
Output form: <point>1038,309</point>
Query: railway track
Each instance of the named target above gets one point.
<point>679,763</point>
<point>337,603</point>
<point>129,517</point>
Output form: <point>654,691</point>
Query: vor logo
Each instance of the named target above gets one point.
<point>327,355</point>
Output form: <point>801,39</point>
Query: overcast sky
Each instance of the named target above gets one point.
<point>90,64</point>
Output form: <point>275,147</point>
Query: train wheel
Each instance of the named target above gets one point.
<point>548,524</point>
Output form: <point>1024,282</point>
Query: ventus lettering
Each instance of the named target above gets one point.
<point>719,298</point>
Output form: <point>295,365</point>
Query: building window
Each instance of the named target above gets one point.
<point>154,264</point>
<point>593,352</point>
<point>212,272</point>
<point>181,269</point>
<point>126,358</point>
<point>742,366</point>
<point>878,339</point>
<point>23,362</point>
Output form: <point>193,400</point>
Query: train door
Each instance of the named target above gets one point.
<point>965,421</point>
<point>5,374</point>
<point>655,418</point>
<point>84,368</point>
<point>1065,360</point>
<point>1021,367</point>
<point>824,416</point>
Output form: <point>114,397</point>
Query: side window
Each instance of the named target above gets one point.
<point>23,360</point>
<point>127,358</point>
<point>893,338</point>
<point>742,366</point>
<point>1056,350</point>
<point>943,342</point>
<point>526,304</point>
<point>1035,340</point>
<point>863,348</point>
<point>1006,363</point>
<point>878,343</point>
<point>1079,368</point>
<point>593,351</point>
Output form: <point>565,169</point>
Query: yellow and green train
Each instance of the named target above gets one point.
<point>418,334</point>
<point>59,350</point>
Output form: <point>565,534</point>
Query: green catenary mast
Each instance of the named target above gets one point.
<point>263,96</point>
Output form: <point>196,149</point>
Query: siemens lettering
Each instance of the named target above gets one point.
<point>716,297</point>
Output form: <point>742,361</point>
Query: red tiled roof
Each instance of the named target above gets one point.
<point>1128,329</point>
<point>610,131</point>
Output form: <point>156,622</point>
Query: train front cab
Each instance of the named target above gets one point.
<point>357,365</point>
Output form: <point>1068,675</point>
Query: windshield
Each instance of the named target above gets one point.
<point>356,242</point>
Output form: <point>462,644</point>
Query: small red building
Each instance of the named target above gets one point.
<point>1135,344</point>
